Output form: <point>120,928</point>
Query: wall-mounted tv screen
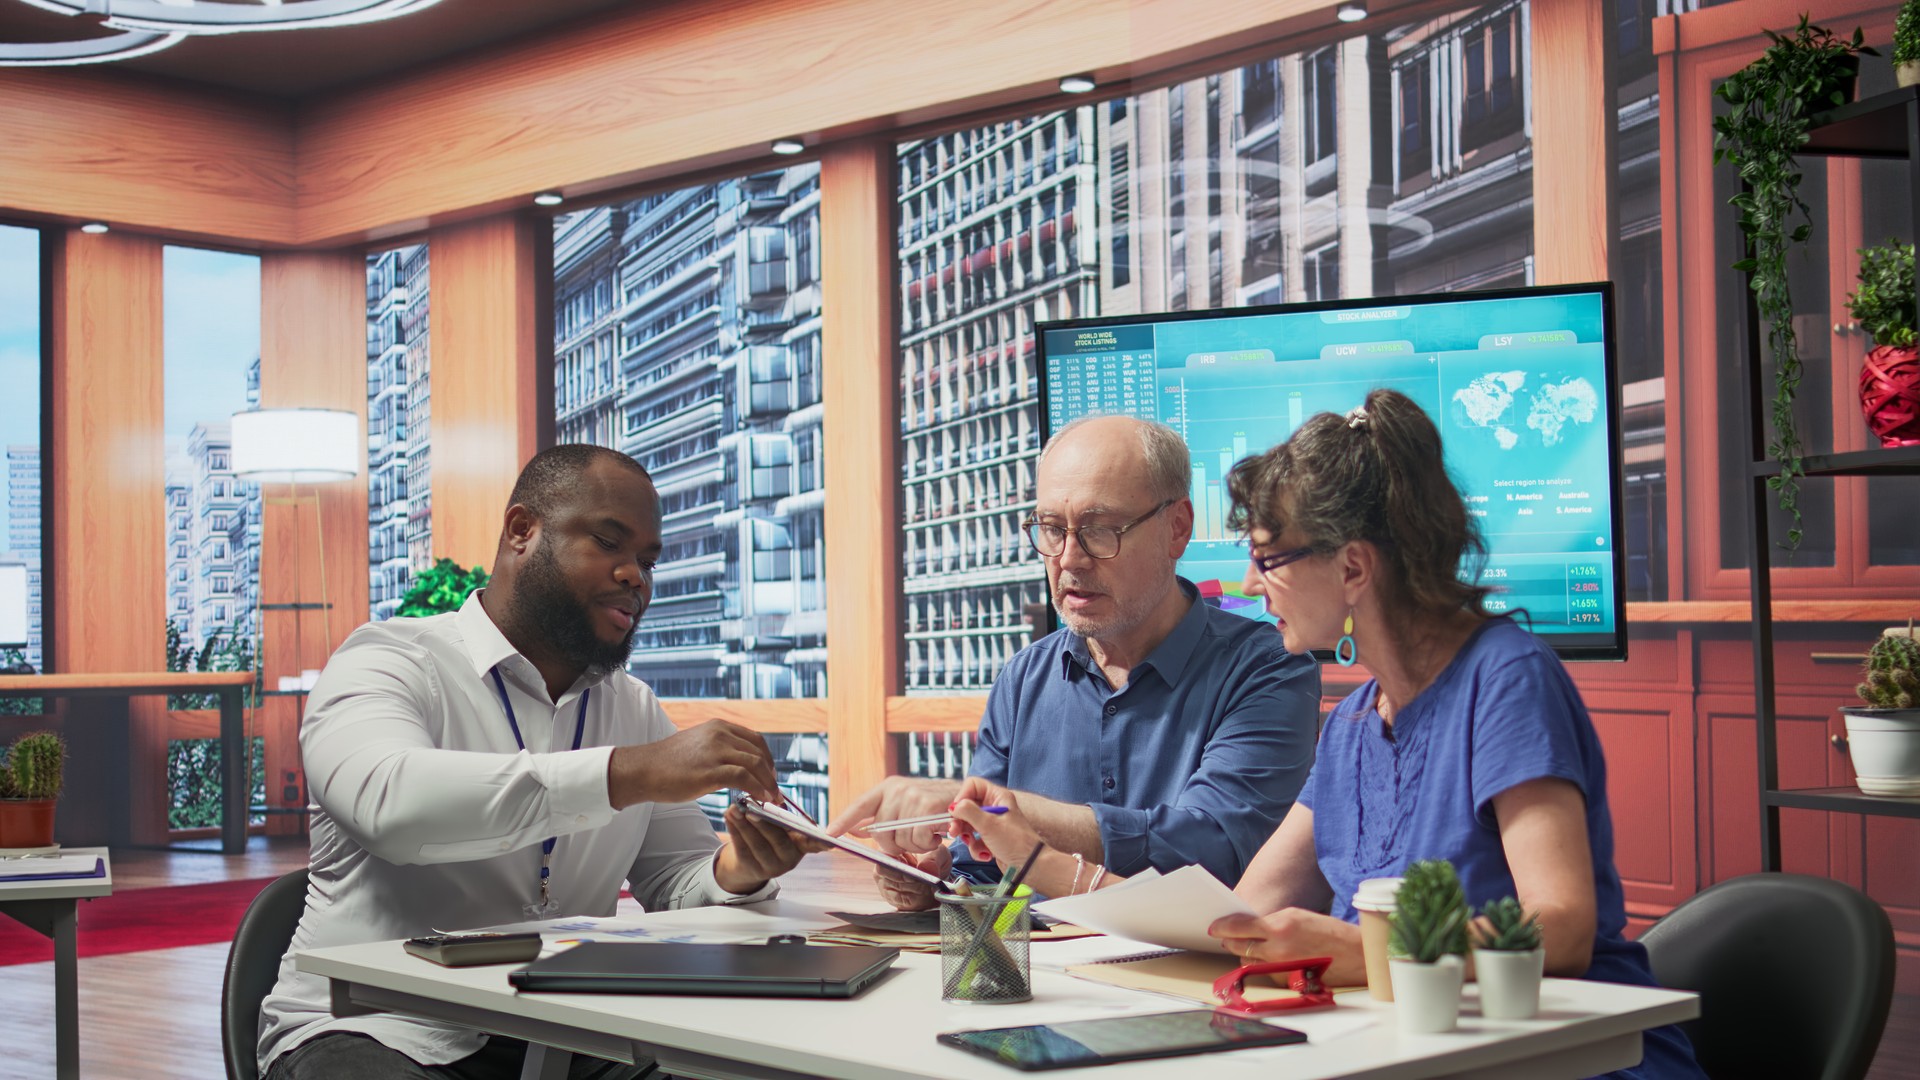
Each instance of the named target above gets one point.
<point>1523,385</point>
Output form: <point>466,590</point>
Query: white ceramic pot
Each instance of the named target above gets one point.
<point>1427,996</point>
<point>1908,73</point>
<point>1509,982</point>
<point>1884,746</point>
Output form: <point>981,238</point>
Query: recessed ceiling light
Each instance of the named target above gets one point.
<point>1350,12</point>
<point>788,146</point>
<point>548,198</point>
<point>1077,84</point>
<point>94,227</point>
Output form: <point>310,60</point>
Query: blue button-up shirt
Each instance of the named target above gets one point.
<point>1195,760</point>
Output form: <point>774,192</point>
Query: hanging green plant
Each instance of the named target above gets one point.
<point>1773,101</point>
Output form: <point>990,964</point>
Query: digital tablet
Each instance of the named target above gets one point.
<point>1121,1038</point>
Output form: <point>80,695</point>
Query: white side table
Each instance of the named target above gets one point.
<point>52,908</point>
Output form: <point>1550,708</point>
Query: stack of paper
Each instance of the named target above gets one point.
<point>1171,910</point>
<point>34,867</point>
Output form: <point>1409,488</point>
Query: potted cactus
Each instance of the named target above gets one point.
<point>1883,737</point>
<point>1427,945</point>
<point>1508,960</point>
<point>30,779</point>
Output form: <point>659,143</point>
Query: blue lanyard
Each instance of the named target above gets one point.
<point>579,730</point>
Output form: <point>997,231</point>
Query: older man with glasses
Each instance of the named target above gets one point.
<point>1153,729</point>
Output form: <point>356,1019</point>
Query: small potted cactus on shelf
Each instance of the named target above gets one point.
<point>30,779</point>
<point>1427,943</point>
<point>1508,960</point>
<point>1883,736</point>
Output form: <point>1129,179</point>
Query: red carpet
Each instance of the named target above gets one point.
<point>135,920</point>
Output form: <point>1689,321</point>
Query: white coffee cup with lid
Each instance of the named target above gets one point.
<point>1375,899</point>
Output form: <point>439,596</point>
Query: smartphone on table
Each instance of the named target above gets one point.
<point>464,950</point>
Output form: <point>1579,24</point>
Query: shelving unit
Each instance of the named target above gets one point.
<point>1882,126</point>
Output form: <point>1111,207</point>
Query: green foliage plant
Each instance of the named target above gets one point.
<point>34,767</point>
<point>1893,673</point>
<point>1430,914</point>
<point>1883,304</point>
<point>1772,102</point>
<point>1507,927</point>
<point>14,706</point>
<point>1906,33</point>
<point>441,589</point>
<point>220,652</point>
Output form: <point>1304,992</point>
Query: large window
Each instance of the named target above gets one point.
<point>399,504</point>
<point>1222,190</point>
<point>687,334</point>
<point>212,370</point>
<point>20,435</point>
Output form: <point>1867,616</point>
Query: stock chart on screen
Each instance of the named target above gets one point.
<point>1522,385</point>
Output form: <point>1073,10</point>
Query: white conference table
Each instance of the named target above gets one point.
<point>887,1033</point>
<point>52,908</point>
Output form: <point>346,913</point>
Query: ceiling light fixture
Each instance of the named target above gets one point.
<point>788,146</point>
<point>1350,12</point>
<point>549,198</point>
<point>94,227</point>
<point>1077,84</point>
<point>147,26</point>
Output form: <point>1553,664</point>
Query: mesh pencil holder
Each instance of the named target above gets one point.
<point>984,943</point>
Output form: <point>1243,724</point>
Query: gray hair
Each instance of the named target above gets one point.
<point>1169,465</point>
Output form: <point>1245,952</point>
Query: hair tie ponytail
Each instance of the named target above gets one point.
<point>1357,417</point>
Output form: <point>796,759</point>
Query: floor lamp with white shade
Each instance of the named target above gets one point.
<point>297,447</point>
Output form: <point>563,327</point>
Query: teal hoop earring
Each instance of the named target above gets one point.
<point>1345,651</point>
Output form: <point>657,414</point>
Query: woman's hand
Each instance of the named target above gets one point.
<point>1295,934</point>
<point>1009,833</point>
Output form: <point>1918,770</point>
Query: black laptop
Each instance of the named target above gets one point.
<point>726,970</point>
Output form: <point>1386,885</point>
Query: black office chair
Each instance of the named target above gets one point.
<point>1794,973</point>
<point>253,965</point>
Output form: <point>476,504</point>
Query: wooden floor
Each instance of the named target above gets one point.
<point>155,1015</point>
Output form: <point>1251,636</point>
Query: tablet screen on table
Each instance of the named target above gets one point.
<point>1121,1038</point>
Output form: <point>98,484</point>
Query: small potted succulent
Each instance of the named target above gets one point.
<point>1890,377</point>
<point>1427,943</point>
<point>30,780</point>
<point>1508,960</point>
<point>1883,737</point>
<point>1906,44</point>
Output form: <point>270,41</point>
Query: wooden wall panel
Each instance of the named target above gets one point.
<point>313,331</point>
<point>491,391</point>
<point>669,88</point>
<point>1575,128</point>
<point>154,154</point>
<point>860,396</point>
<point>104,480</point>
<point>1648,740</point>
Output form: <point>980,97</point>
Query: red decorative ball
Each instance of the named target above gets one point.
<point>1890,394</point>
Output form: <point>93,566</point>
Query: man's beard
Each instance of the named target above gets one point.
<point>1127,614</point>
<point>545,608</point>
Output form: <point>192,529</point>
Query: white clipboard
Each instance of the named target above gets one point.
<point>786,819</point>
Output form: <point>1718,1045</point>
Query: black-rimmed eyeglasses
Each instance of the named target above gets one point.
<point>1098,541</point>
<point>1267,564</point>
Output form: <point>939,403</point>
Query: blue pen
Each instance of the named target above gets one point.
<point>930,819</point>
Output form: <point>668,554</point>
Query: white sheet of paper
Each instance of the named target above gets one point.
<point>1172,910</point>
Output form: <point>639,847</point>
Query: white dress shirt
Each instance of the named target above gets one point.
<point>427,815</point>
